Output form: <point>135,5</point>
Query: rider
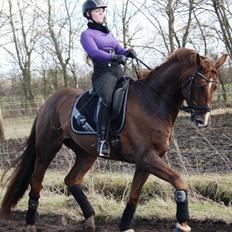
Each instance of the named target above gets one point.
<point>107,55</point>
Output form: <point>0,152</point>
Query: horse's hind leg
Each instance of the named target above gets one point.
<point>45,152</point>
<point>139,179</point>
<point>83,163</point>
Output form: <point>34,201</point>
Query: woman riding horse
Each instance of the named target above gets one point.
<point>107,55</point>
<point>152,107</point>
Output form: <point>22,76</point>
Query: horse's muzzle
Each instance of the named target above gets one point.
<point>201,120</point>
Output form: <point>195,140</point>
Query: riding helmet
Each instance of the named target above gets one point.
<point>92,4</point>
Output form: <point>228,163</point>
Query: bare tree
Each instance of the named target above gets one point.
<point>202,33</point>
<point>2,18</point>
<point>127,26</point>
<point>2,134</point>
<point>62,35</point>
<point>226,29</point>
<point>24,35</point>
<point>125,22</point>
<point>154,27</point>
<point>213,19</point>
<point>173,20</point>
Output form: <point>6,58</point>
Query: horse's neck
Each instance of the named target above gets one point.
<point>160,92</point>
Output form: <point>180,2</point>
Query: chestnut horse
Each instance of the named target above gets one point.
<point>152,107</point>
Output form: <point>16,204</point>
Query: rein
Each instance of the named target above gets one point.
<point>138,60</point>
<point>136,67</point>
<point>192,108</point>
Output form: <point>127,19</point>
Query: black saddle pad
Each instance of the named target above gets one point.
<point>83,118</point>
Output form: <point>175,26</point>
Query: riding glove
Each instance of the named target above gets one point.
<point>131,53</point>
<point>121,59</point>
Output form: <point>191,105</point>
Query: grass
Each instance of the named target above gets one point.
<point>108,193</point>
<point>218,188</point>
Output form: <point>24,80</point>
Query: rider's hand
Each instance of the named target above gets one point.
<point>120,59</point>
<point>131,53</point>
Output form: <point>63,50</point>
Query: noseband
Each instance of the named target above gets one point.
<point>192,108</point>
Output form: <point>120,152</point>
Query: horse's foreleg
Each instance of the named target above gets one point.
<point>73,180</point>
<point>139,179</point>
<point>155,165</point>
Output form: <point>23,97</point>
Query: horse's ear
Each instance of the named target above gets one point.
<point>220,61</point>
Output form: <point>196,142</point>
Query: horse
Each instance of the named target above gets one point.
<point>153,104</point>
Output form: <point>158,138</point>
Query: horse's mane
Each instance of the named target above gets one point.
<point>182,55</point>
<point>185,56</point>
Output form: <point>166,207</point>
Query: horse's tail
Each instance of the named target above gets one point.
<point>20,179</point>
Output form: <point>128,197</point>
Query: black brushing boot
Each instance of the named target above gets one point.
<point>103,116</point>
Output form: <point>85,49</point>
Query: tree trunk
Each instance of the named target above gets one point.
<point>224,24</point>
<point>223,89</point>
<point>171,20</point>
<point>2,134</point>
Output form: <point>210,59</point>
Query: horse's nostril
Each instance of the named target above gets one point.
<point>199,123</point>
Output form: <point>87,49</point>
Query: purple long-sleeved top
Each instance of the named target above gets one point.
<point>96,43</point>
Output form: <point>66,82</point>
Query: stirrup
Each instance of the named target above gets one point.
<point>101,153</point>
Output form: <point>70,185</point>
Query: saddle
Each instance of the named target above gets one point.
<point>83,118</point>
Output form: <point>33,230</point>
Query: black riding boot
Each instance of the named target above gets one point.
<point>103,117</point>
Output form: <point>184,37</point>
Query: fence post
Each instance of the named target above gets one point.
<point>2,134</point>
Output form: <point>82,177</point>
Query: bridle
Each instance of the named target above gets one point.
<point>192,108</point>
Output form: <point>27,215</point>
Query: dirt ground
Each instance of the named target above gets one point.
<point>57,223</point>
<point>203,151</point>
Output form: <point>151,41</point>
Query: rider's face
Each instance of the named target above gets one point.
<point>98,15</point>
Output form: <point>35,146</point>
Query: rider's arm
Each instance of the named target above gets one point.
<point>91,48</point>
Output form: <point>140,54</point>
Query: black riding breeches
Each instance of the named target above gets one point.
<point>104,80</point>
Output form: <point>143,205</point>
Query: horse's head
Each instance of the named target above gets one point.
<point>198,89</point>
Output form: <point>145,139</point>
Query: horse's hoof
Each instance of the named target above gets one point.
<point>130,230</point>
<point>89,224</point>
<point>30,228</point>
<point>180,228</point>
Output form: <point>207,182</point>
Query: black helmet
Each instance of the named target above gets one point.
<point>92,4</point>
